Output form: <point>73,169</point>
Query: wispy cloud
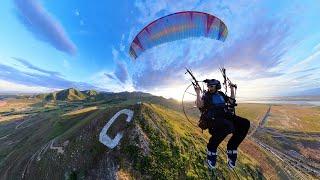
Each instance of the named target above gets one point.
<point>151,10</point>
<point>121,71</point>
<point>76,12</point>
<point>258,50</point>
<point>10,87</point>
<point>46,79</point>
<point>32,67</point>
<point>109,82</point>
<point>153,71</point>
<point>307,70</point>
<point>66,64</point>
<point>110,76</point>
<point>305,63</point>
<point>38,21</point>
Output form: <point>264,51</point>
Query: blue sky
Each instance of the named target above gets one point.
<point>273,47</point>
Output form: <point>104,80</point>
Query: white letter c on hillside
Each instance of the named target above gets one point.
<point>105,139</point>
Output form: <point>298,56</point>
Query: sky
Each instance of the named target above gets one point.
<point>272,48</point>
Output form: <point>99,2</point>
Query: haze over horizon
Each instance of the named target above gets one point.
<point>273,48</point>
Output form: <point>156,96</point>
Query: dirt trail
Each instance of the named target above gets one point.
<point>265,117</point>
<point>37,155</point>
<point>24,121</point>
<point>4,137</point>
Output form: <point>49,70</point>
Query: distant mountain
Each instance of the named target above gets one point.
<point>70,94</point>
<point>126,95</point>
<point>90,92</point>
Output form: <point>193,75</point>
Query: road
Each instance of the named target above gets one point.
<point>262,121</point>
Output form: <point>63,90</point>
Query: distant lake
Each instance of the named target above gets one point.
<point>309,103</point>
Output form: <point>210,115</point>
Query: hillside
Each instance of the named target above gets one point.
<point>90,92</point>
<point>60,140</point>
<point>153,146</point>
<point>72,94</point>
<point>67,95</point>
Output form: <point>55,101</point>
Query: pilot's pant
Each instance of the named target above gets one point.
<point>221,127</point>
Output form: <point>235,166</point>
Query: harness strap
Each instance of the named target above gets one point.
<point>211,153</point>
<point>232,151</point>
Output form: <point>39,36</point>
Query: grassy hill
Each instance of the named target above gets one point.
<point>59,140</point>
<point>90,92</point>
<point>70,94</point>
<point>175,149</point>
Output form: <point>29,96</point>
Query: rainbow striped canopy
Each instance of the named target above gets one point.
<point>178,26</point>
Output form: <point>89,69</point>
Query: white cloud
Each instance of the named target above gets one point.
<point>81,22</point>
<point>115,53</point>
<point>6,86</point>
<point>43,26</point>
<point>305,63</point>
<point>317,47</point>
<point>122,43</point>
<point>101,80</point>
<point>66,64</point>
<point>38,77</point>
<point>76,12</point>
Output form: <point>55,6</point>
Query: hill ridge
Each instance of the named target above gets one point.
<point>158,143</point>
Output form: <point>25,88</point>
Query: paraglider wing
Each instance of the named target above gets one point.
<point>178,26</point>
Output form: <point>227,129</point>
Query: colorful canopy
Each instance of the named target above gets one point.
<point>178,26</point>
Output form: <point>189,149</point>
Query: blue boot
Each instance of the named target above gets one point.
<point>211,159</point>
<point>232,158</point>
